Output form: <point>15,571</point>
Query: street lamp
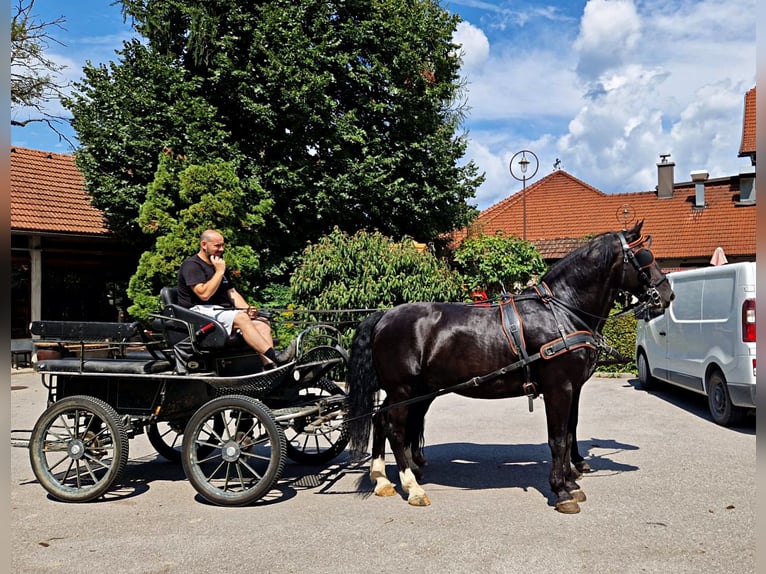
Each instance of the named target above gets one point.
<point>523,166</point>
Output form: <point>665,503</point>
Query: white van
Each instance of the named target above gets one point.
<point>705,339</point>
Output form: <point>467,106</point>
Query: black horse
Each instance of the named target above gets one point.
<point>543,341</point>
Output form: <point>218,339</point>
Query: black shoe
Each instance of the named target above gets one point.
<point>288,354</point>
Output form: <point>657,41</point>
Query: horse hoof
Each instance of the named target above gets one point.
<point>419,500</point>
<point>387,490</point>
<point>578,495</point>
<point>583,467</point>
<point>568,507</point>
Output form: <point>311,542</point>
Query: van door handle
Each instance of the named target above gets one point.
<point>662,333</point>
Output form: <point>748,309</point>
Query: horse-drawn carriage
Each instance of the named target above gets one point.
<point>201,396</point>
<point>193,379</point>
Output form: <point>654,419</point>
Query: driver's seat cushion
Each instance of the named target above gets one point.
<point>175,331</point>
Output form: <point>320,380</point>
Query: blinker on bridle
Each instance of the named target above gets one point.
<point>640,256</point>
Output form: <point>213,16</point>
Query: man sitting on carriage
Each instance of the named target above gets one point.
<point>204,287</point>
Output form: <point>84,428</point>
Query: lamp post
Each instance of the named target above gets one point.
<point>523,166</point>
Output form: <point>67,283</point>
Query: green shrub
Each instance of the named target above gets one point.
<point>620,333</point>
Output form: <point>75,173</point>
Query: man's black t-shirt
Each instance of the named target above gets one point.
<point>194,271</point>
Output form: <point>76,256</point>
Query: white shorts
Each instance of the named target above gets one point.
<point>223,316</point>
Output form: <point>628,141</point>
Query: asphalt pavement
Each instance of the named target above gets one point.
<point>671,492</point>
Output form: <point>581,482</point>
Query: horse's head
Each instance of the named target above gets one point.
<point>641,274</point>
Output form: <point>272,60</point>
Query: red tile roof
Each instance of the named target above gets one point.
<point>48,195</point>
<point>748,125</point>
<point>562,210</point>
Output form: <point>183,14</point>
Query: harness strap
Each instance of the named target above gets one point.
<point>576,340</point>
<point>514,332</point>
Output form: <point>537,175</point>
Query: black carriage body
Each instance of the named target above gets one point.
<point>143,396</point>
<point>108,382</point>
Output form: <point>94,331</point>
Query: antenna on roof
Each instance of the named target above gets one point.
<point>626,214</point>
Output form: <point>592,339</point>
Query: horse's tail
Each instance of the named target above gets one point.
<point>362,385</point>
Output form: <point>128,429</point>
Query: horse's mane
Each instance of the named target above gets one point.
<point>571,264</point>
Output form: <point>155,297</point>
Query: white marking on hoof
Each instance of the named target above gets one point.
<point>383,486</point>
<point>416,495</point>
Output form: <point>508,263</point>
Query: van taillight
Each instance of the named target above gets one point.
<point>748,321</point>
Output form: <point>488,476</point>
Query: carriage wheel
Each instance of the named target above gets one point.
<point>167,437</point>
<point>78,448</point>
<point>246,458</point>
<point>313,444</point>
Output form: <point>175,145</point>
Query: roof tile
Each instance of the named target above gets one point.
<point>748,125</point>
<point>562,209</point>
<point>48,195</point>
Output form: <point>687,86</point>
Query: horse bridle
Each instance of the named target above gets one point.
<point>641,258</point>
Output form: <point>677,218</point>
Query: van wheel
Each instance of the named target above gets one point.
<point>648,382</point>
<point>721,408</point>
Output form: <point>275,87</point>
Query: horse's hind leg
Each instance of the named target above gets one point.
<point>413,441</point>
<point>383,486</point>
<point>396,433</point>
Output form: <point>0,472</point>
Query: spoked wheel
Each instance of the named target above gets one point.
<point>317,439</point>
<point>244,459</point>
<point>78,448</point>
<point>167,438</point>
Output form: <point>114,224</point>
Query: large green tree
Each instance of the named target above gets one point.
<point>213,196</point>
<point>347,113</point>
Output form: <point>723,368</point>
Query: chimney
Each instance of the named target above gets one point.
<point>699,178</point>
<point>665,177</point>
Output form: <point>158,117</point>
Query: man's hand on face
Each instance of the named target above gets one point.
<point>218,263</point>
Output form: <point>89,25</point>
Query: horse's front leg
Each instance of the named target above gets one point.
<point>578,461</point>
<point>557,407</point>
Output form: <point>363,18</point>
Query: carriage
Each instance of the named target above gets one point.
<point>200,395</point>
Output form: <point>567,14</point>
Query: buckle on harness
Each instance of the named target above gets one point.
<point>530,389</point>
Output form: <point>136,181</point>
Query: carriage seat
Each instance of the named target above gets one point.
<point>176,322</point>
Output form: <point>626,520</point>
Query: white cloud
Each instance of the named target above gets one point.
<point>609,31</point>
<point>475,46</point>
<point>611,92</point>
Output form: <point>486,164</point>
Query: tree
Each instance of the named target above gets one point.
<point>369,270</point>
<point>491,261</point>
<point>35,79</point>
<point>210,196</point>
<point>340,128</point>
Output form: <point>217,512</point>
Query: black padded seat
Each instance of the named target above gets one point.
<point>118,366</point>
<point>178,321</point>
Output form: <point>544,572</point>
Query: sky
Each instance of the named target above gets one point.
<point>600,88</point>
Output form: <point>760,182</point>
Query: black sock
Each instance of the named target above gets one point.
<point>271,354</point>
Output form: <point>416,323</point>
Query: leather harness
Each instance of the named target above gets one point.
<point>513,329</point>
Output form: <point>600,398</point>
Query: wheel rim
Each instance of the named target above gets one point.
<point>167,439</point>
<point>78,448</point>
<point>240,462</point>
<point>642,369</point>
<point>718,399</point>
<point>315,442</point>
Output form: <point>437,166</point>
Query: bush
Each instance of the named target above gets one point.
<point>620,333</point>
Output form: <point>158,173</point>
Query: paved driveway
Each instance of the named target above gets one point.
<point>671,492</point>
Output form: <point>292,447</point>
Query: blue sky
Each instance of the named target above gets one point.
<point>603,85</point>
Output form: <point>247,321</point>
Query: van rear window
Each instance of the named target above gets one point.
<point>717,298</point>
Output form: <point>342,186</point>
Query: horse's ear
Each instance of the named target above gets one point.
<point>635,232</point>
